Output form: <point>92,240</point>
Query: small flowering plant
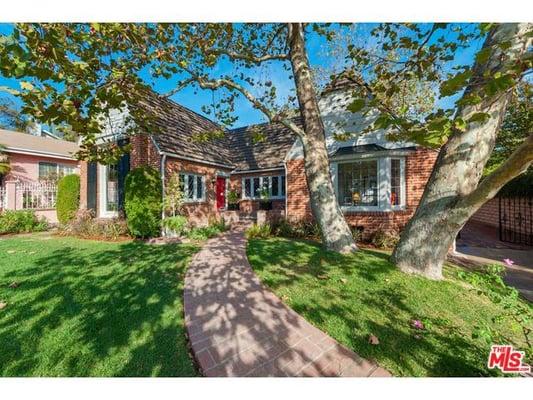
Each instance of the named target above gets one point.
<point>417,324</point>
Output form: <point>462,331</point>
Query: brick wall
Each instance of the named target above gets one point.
<point>198,213</point>
<point>143,152</point>
<point>251,206</point>
<point>418,169</point>
<point>488,214</point>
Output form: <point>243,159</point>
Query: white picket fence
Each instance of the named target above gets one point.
<point>37,195</point>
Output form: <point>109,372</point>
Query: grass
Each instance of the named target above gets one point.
<point>353,297</point>
<point>87,308</point>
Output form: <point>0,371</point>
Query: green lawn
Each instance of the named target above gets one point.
<point>88,308</point>
<point>352,297</point>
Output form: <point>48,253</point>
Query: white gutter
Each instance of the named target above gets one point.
<point>251,171</point>
<point>17,150</point>
<point>286,186</point>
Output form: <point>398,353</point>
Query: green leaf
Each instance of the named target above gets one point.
<point>483,55</point>
<point>356,105</point>
<point>479,117</point>
<point>455,84</point>
<point>460,124</point>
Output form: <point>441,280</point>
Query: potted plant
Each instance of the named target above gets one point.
<point>264,200</point>
<point>233,200</point>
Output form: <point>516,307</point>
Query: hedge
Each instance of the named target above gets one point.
<point>68,198</point>
<point>143,202</point>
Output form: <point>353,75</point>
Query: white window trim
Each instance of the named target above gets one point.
<point>252,197</point>
<point>402,204</point>
<point>102,196</point>
<point>195,199</point>
<point>383,183</point>
<point>58,166</point>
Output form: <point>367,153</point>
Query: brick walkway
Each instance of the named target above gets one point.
<point>239,328</point>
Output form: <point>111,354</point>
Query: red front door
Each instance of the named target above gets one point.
<point>221,192</point>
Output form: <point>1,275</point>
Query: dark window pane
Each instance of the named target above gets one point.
<point>190,187</point>
<point>275,186</point>
<point>247,187</point>
<point>283,186</point>
<point>257,187</point>
<point>199,188</point>
<point>358,183</point>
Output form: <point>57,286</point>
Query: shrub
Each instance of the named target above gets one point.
<point>68,198</point>
<point>489,283</point>
<point>297,229</point>
<point>258,231</point>
<point>385,239</point>
<point>203,233</point>
<point>176,224</point>
<point>143,202</point>
<point>233,197</point>
<point>21,221</point>
<point>84,225</point>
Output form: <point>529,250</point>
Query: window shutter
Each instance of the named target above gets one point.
<point>91,186</point>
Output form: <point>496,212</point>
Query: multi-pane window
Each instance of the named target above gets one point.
<point>112,187</point>
<point>395,182</point>
<point>358,183</point>
<point>53,171</point>
<point>274,186</point>
<point>193,187</point>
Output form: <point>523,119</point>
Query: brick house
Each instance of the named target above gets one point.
<point>378,183</point>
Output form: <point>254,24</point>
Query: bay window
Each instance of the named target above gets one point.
<point>192,187</point>
<point>376,184</point>
<point>254,186</point>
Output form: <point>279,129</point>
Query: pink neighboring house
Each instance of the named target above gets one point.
<point>33,160</point>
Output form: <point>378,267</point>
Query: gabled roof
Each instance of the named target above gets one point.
<point>17,142</point>
<point>261,146</point>
<point>178,130</point>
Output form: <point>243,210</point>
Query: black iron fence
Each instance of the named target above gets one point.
<point>516,219</point>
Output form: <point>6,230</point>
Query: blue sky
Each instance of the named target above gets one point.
<point>244,111</point>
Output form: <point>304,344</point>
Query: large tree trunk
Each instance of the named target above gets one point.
<point>336,234</point>
<point>452,194</point>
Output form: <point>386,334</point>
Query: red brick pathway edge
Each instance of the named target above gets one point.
<point>237,327</point>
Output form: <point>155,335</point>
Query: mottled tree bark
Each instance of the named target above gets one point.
<point>336,234</point>
<point>454,192</point>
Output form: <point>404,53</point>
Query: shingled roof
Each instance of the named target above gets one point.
<point>248,148</point>
<point>260,146</point>
<point>178,128</point>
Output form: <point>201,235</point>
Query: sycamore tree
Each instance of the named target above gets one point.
<point>464,132</point>
<point>77,73</point>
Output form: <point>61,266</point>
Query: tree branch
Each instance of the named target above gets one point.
<point>248,57</point>
<point>214,84</point>
<point>515,165</point>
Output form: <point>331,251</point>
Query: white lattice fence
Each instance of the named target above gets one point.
<point>3,198</point>
<point>37,195</point>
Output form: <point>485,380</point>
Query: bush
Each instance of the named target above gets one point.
<point>385,239</point>
<point>203,233</point>
<point>84,225</point>
<point>176,224</point>
<point>298,230</point>
<point>68,198</point>
<point>143,202</point>
<point>21,222</point>
<point>258,231</point>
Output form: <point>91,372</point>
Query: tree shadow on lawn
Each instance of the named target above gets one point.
<point>351,314</point>
<point>114,312</point>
